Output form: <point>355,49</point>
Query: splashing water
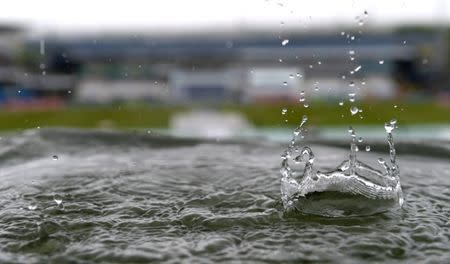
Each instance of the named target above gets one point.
<point>352,189</point>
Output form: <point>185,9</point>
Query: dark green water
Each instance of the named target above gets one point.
<point>133,198</point>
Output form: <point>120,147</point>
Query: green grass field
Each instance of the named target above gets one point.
<point>147,116</point>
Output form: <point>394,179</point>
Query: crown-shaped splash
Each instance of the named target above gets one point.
<point>353,188</point>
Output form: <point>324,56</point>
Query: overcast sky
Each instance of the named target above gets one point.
<point>113,15</point>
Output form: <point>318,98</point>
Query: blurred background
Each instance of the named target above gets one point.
<point>226,68</point>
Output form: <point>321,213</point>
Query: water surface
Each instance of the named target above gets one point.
<point>137,198</point>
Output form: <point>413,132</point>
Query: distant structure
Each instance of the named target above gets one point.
<point>248,68</point>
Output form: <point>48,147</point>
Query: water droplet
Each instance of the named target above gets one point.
<point>306,105</point>
<point>351,97</point>
<point>341,103</point>
<point>361,22</point>
<point>299,75</point>
<point>360,139</point>
<point>342,33</point>
<point>285,42</point>
<point>311,66</point>
<point>354,110</point>
<point>404,42</point>
<point>393,121</point>
<point>351,84</point>
<point>351,52</point>
<point>58,199</point>
<point>285,83</point>
<point>32,207</point>
<point>42,66</point>
<point>55,157</point>
<point>366,14</point>
<point>280,60</point>
<point>367,148</point>
<point>381,62</point>
<point>291,76</point>
<point>352,37</point>
<point>389,127</point>
<point>283,111</point>
<point>319,62</point>
<point>358,68</point>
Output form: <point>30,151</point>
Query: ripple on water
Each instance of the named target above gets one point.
<point>153,199</point>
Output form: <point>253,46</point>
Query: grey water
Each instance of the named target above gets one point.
<point>88,196</point>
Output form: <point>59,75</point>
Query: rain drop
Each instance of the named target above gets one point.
<point>367,148</point>
<point>354,110</point>
<point>283,111</point>
<point>285,42</point>
<point>341,103</point>
<point>381,62</point>
<point>55,157</point>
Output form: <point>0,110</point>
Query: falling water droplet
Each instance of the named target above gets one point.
<point>341,103</point>
<point>285,83</point>
<point>55,157</point>
<point>302,98</point>
<point>351,97</point>
<point>32,207</point>
<point>393,121</point>
<point>367,148</point>
<point>342,33</point>
<point>366,14</point>
<point>351,84</point>
<point>357,68</point>
<point>299,75</point>
<point>381,61</point>
<point>354,110</point>
<point>389,127</point>
<point>283,111</point>
<point>351,52</point>
<point>360,139</point>
<point>285,42</point>
<point>306,105</point>
<point>291,76</point>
